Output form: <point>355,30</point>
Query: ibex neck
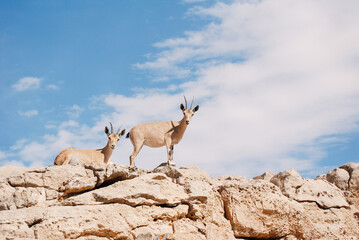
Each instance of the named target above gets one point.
<point>182,125</point>
<point>107,152</point>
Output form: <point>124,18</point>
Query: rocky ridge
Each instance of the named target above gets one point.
<point>110,202</point>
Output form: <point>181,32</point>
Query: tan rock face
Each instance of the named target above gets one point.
<point>346,178</point>
<point>150,189</point>
<point>319,191</point>
<point>339,177</point>
<point>258,209</point>
<point>110,202</point>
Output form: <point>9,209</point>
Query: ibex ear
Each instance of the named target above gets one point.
<point>122,132</point>
<point>107,131</point>
<point>182,107</point>
<point>196,108</point>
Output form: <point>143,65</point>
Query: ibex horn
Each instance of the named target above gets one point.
<point>192,103</point>
<point>111,128</point>
<point>185,100</point>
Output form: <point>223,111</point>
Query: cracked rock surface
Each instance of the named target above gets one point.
<point>110,202</point>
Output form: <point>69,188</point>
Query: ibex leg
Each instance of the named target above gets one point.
<point>170,157</point>
<point>136,149</point>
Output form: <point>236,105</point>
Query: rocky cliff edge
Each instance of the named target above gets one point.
<point>110,202</point>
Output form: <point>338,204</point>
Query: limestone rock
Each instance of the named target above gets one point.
<point>339,177</point>
<point>170,171</point>
<point>55,177</point>
<point>353,170</point>
<point>321,177</point>
<point>323,193</point>
<point>28,197</point>
<point>183,174</point>
<point>267,176</point>
<point>287,180</point>
<point>9,171</point>
<point>112,221</point>
<point>258,209</point>
<point>346,177</point>
<point>188,230</point>
<point>193,173</point>
<point>150,189</point>
<point>79,185</point>
<point>6,196</point>
<point>113,172</point>
<point>36,187</point>
<point>333,223</point>
<point>110,202</point>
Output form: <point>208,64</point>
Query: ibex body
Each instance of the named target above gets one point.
<point>158,134</point>
<point>88,156</point>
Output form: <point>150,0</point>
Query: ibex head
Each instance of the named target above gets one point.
<point>113,137</point>
<point>188,113</point>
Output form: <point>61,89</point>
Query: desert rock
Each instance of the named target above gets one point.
<point>111,202</point>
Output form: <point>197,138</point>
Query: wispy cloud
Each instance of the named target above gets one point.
<point>30,113</point>
<point>50,126</point>
<point>75,111</point>
<point>52,87</point>
<point>68,124</point>
<point>276,78</point>
<point>70,134</point>
<point>27,83</point>
<point>12,163</point>
<point>19,144</point>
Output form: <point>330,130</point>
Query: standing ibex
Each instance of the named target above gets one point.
<point>158,134</point>
<point>88,156</point>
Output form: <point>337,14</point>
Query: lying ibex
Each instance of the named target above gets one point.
<point>158,134</point>
<point>88,156</point>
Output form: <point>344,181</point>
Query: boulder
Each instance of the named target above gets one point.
<point>346,177</point>
<point>293,186</point>
<point>353,170</point>
<point>258,209</point>
<point>339,177</point>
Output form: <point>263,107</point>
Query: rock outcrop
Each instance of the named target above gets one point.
<point>110,202</point>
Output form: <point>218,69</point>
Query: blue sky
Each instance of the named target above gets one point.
<point>81,50</point>
<point>276,81</point>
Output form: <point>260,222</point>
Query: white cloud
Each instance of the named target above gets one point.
<point>68,124</point>
<point>19,144</point>
<point>13,163</point>
<point>27,83</point>
<point>43,151</point>
<point>2,155</point>
<point>274,77</point>
<point>50,126</point>
<point>75,111</point>
<point>29,113</point>
<point>52,87</point>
